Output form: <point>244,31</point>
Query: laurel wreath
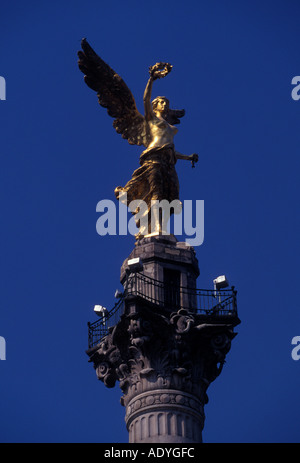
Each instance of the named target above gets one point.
<point>160,70</point>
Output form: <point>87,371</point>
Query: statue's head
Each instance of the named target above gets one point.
<point>161,104</point>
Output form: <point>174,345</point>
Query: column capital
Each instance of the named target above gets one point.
<point>164,363</point>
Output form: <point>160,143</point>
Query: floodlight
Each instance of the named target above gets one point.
<point>135,265</point>
<point>220,282</point>
<point>100,311</point>
<point>118,294</point>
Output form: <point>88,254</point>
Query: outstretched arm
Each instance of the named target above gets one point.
<point>193,157</point>
<point>147,100</point>
<point>158,71</point>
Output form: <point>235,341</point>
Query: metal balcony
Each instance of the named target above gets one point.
<point>210,305</point>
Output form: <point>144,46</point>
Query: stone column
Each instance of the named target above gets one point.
<point>163,357</point>
<point>165,415</point>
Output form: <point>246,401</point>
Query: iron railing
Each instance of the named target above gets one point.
<point>209,303</point>
<point>170,297</point>
<point>100,328</point>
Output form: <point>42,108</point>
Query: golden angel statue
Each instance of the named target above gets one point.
<point>156,178</point>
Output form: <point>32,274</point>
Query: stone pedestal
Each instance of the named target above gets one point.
<point>163,253</point>
<point>163,351</point>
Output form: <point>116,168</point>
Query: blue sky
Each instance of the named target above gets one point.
<point>233,65</point>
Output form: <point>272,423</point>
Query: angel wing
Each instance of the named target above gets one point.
<point>114,95</point>
<point>174,115</point>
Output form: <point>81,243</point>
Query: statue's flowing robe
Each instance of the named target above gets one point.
<point>156,179</point>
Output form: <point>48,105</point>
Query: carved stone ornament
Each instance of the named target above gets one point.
<point>162,359</point>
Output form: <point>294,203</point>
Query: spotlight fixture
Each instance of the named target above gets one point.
<point>100,311</point>
<point>118,294</point>
<point>135,265</point>
<point>220,282</point>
